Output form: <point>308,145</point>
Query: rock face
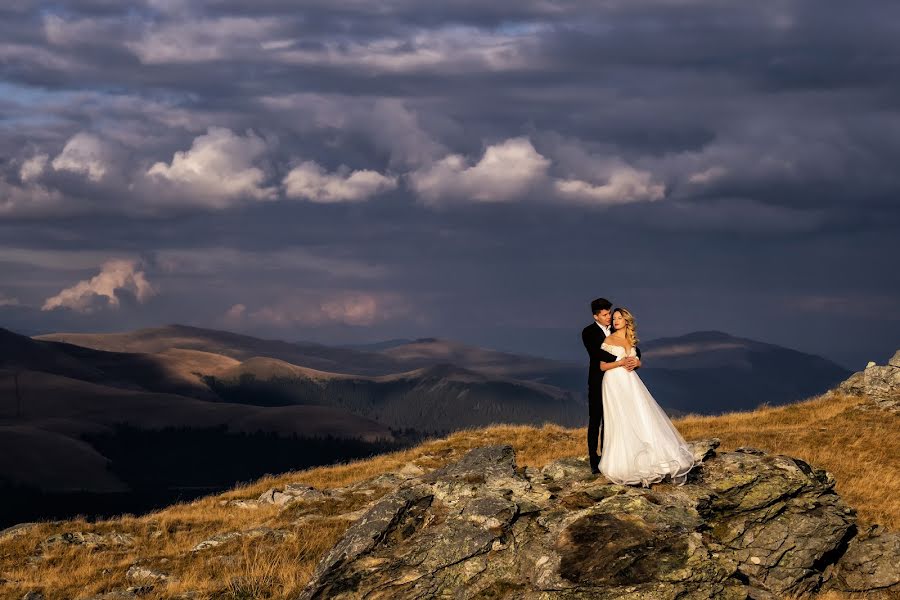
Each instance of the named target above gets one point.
<point>746,524</point>
<point>872,561</point>
<point>881,383</point>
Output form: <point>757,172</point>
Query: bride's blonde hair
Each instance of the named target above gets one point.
<point>630,329</point>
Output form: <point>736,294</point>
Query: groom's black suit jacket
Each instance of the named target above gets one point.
<point>592,337</point>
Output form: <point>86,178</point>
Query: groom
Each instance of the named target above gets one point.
<point>592,336</point>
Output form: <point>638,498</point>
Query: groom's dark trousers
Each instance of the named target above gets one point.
<point>592,337</point>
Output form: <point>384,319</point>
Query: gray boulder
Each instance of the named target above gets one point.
<point>141,574</point>
<point>746,524</point>
<point>872,561</point>
<point>880,382</point>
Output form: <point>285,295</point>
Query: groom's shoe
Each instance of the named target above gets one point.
<point>595,465</point>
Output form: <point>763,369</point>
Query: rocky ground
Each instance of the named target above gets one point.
<point>746,525</point>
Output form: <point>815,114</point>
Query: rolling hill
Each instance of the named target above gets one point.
<point>169,371</point>
<point>701,372</point>
<point>435,398</point>
<point>76,421</point>
<point>233,345</point>
<point>56,416</point>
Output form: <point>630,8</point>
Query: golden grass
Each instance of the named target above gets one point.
<point>860,448</point>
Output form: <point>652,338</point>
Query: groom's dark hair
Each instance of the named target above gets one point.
<point>599,304</point>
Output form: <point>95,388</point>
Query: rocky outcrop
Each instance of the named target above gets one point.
<point>267,532</point>
<point>89,540</point>
<point>142,574</point>
<point>17,530</point>
<point>747,524</point>
<point>880,383</point>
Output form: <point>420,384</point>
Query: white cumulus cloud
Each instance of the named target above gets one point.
<point>33,167</point>
<point>85,154</point>
<point>219,169</point>
<point>625,184</point>
<point>312,182</point>
<point>116,274</point>
<point>506,171</point>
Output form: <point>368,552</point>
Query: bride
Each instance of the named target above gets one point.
<point>640,444</point>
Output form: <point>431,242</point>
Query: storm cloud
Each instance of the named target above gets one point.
<point>346,171</point>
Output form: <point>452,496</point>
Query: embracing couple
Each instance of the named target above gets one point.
<point>638,443</point>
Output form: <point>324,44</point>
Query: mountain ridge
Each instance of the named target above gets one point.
<point>687,373</point>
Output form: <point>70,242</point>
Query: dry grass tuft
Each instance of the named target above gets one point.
<point>860,448</point>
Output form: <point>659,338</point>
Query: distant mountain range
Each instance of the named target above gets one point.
<point>711,372</point>
<point>73,405</point>
<point>702,372</point>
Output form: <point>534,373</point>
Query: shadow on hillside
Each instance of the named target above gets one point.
<point>171,465</point>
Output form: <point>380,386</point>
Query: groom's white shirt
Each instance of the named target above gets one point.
<point>605,328</point>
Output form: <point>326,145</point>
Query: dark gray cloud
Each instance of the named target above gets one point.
<point>350,170</point>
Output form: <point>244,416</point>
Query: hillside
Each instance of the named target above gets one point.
<point>58,414</point>
<point>102,432</point>
<point>79,424</point>
<point>276,554</point>
<point>237,346</point>
<point>171,370</point>
<point>427,385</point>
<point>437,398</point>
<point>701,372</point>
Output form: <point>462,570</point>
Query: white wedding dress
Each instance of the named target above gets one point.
<point>640,443</point>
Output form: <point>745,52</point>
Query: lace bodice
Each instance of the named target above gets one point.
<point>618,351</point>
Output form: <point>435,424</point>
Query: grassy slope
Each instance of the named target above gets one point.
<point>860,448</point>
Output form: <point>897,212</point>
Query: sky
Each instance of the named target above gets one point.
<point>347,171</point>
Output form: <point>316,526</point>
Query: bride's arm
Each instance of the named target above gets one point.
<point>606,366</point>
<point>633,362</point>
